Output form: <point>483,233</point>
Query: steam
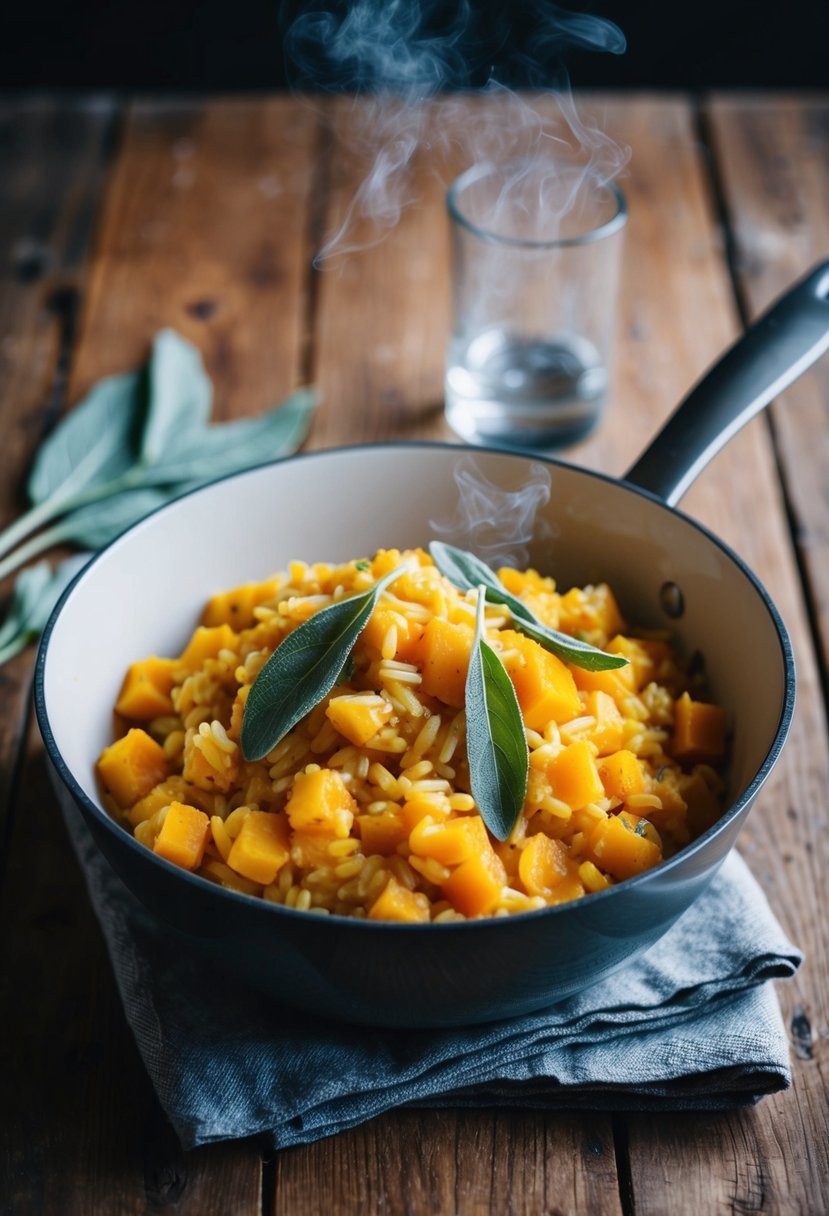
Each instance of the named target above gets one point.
<point>398,55</point>
<point>495,523</point>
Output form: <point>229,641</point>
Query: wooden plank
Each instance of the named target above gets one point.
<point>382,314</point>
<point>203,228</point>
<point>470,1163</point>
<point>677,313</point>
<point>51,159</point>
<point>205,231</point>
<point>773,157</point>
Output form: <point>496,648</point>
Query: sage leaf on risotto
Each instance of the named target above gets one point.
<point>467,572</point>
<point>496,744</point>
<point>304,668</point>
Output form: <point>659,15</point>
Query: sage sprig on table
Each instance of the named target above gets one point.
<point>137,440</point>
<point>496,743</point>
<point>35,594</point>
<point>304,668</point>
<point>468,572</point>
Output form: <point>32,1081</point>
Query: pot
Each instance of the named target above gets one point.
<point>142,595</point>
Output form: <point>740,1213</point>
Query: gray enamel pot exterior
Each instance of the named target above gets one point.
<point>143,594</point>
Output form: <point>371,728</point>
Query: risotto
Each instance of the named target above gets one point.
<point>365,807</point>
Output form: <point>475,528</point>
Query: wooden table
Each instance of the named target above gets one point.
<point>118,219</point>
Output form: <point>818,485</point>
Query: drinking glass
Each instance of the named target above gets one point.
<point>535,266</point>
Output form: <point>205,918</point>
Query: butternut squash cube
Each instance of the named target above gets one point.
<point>311,850</point>
<point>474,888</point>
<point>407,633</point>
<point>235,607</point>
<point>542,865</point>
<point>451,842</point>
<point>622,775</point>
<point>618,683</point>
<point>130,767</point>
<point>643,658</point>
<point>206,644</point>
<point>321,804</point>
<point>699,731</point>
<point>145,693</point>
<point>607,734</point>
<point>574,776</point>
<point>419,808</point>
<point>590,609</point>
<point>442,654</point>
<point>543,684</point>
<point>358,716</point>
<point>381,833</point>
<point>183,836</point>
<point>618,846</point>
<point>397,902</point>
<point>174,789</point>
<point>262,847</point>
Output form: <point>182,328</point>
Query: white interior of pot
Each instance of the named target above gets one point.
<point>145,594</point>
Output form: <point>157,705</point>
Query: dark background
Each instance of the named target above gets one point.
<point>241,44</point>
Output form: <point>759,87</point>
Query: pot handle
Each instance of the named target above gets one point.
<point>771,354</point>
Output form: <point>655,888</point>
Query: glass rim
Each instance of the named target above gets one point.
<point>616,221</point>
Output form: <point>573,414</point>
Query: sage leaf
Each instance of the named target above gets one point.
<point>98,523</point>
<point>468,572</point>
<point>179,396</point>
<point>496,744</point>
<point>94,444</point>
<point>37,590</point>
<point>232,446</point>
<point>304,668</point>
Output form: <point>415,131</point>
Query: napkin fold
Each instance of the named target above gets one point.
<point>693,1024</point>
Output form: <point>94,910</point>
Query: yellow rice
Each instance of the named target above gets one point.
<point>418,755</point>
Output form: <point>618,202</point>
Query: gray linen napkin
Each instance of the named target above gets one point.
<point>694,1024</point>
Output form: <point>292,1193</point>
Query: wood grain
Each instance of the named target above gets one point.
<point>773,159</point>
<point>51,164</point>
<point>776,1152</point>
<point>204,230</point>
<point>470,1163</point>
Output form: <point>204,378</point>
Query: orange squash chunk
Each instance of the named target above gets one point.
<point>618,683</point>
<point>574,776</point>
<point>320,803</point>
<point>542,865</point>
<point>378,625</point>
<point>475,886</point>
<point>397,902</point>
<point>442,654</point>
<point>174,789</point>
<point>235,607</point>
<point>358,716</point>
<point>262,847</point>
<point>381,833</point>
<point>311,850</point>
<point>130,767</point>
<point>608,732</point>
<point>543,684</point>
<point>643,657</point>
<point>418,808</point>
<point>206,644</point>
<point>699,731</point>
<point>145,693</point>
<point>451,842</point>
<point>183,836</point>
<point>622,775</point>
<point>617,847</point>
